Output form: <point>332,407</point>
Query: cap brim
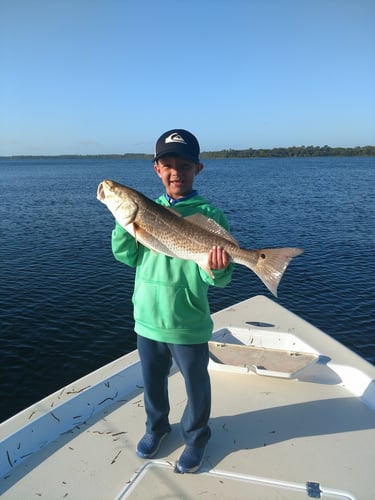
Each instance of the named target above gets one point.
<point>173,152</point>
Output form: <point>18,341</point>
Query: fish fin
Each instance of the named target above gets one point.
<point>271,265</point>
<point>152,243</point>
<point>130,229</point>
<point>206,269</point>
<point>174,212</point>
<point>212,226</point>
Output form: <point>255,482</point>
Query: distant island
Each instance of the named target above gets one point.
<point>289,152</point>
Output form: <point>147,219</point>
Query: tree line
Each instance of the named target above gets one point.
<point>289,152</point>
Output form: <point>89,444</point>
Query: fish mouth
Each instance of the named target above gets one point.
<point>100,193</point>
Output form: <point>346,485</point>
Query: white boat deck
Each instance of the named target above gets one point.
<point>304,435</point>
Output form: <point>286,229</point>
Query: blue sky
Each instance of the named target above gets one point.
<point>109,76</point>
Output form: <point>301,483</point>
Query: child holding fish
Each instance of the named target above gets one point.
<point>179,246</point>
<point>171,310</point>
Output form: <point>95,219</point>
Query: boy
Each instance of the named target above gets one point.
<point>171,311</point>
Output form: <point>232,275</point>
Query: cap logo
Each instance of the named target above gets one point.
<point>175,138</point>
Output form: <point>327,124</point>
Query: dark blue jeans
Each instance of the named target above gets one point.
<point>192,361</point>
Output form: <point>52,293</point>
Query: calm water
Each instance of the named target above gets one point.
<point>65,303</point>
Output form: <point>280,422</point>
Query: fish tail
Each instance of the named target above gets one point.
<point>271,264</point>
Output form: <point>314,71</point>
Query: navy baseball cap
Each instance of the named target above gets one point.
<point>177,142</point>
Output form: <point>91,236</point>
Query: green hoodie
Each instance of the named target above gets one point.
<point>170,295</point>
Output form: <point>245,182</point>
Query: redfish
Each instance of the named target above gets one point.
<point>163,230</point>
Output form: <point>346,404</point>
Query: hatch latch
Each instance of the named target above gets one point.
<point>313,489</point>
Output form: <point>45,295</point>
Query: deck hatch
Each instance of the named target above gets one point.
<point>160,478</point>
<point>261,360</point>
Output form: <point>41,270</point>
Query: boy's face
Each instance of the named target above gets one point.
<point>177,174</point>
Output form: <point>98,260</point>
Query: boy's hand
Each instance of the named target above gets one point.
<point>218,258</point>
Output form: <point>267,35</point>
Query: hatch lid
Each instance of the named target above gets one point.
<point>160,478</point>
